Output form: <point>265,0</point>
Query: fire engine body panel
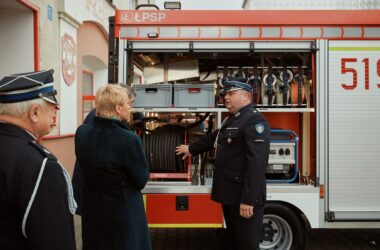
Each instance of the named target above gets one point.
<point>324,163</point>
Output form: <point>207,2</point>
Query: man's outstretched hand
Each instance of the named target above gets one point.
<point>183,149</point>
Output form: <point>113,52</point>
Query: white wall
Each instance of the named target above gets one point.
<point>17,42</point>
<point>98,69</point>
<point>89,10</point>
<point>125,4</point>
<point>100,78</point>
<point>68,94</point>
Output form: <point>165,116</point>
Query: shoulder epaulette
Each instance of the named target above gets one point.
<point>43,150</point>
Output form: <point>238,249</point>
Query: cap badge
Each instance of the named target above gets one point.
<point>259,128</point>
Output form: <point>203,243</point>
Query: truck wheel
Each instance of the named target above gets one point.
<point>282,228</point>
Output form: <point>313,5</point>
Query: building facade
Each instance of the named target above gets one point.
<point>70,37</point>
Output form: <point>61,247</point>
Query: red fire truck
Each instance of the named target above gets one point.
<point>316,77</point>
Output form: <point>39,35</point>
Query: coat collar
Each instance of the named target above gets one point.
<point>110,122</point>
<point>13,130</point>
<point>241,111</point>
<point>235,116</point>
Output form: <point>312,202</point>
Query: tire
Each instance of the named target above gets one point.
<point>283,229</point>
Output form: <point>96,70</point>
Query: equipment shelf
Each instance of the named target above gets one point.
<point>201,110</point>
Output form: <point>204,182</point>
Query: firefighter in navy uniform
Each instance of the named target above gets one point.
<point>241,159</point>
<point>36,200</point>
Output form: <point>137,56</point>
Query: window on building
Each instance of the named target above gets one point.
<point>88,98</point>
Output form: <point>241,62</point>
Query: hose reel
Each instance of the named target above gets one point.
<point>159,147</point>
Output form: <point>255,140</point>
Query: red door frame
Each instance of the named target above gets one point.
<point>36,18</point>
<point>87,97</point>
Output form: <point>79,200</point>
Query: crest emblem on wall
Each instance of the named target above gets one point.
<point>68,59</point>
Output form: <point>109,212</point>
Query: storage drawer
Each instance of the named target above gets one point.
<point>183,210</point>
<point>153,95</point>
<point>188,95</point>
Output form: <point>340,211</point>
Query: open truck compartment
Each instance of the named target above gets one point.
<point>277,86</point>
<point>314,75</point>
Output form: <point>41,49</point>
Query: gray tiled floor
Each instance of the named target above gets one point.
<point>202,239</point>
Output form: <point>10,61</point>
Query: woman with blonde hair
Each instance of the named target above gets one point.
<point>115,170</point>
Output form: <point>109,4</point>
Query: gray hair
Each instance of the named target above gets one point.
<point>19,108</point>
<point>131,91</point>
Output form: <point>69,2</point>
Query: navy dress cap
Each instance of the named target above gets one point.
<point>28,86</point>
<point>236,83</point>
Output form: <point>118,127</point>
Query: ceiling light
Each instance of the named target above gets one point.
<point>172,5</point>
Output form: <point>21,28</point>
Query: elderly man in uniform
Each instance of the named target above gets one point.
<point>36,200</point>
<point>241,158</point>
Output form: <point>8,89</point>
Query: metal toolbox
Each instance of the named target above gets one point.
<point>194,95</point>
<point>157,95</point>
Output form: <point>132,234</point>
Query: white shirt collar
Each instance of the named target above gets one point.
<point>31,134</point>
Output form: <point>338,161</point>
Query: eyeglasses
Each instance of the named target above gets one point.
<point>131,103</point>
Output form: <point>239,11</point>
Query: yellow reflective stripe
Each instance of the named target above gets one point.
<point>185,225</point>
<point>144,199</point>
<point>354,48</point>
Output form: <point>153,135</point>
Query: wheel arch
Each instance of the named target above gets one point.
<point>300,214</point>
<point>284,227</point>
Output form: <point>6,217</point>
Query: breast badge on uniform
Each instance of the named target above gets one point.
<point>259,128</point>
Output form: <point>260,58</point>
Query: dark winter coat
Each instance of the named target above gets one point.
<point>114,170</point>
<point>49,224</point>
<point>77,180</point>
